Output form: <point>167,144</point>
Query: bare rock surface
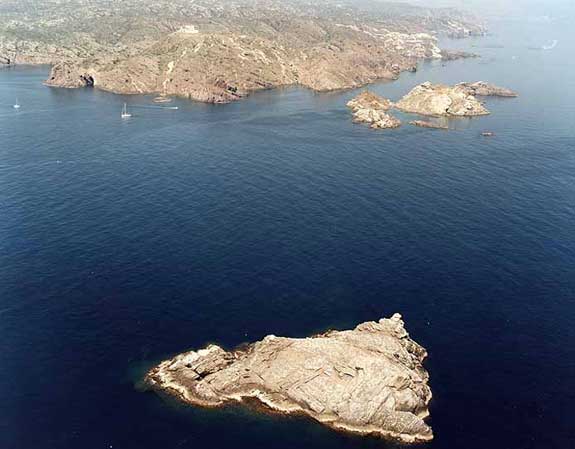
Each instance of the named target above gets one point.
<point>368,380</point>
<point>481,88</point>
<point>372,109</point>
<point>441,100</point>
<point>369,100</point>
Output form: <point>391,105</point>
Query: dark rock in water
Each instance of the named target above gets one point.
<point>481,88</point>
<point>369,380</point>
<point>452,55</point>
<point>426,124</point>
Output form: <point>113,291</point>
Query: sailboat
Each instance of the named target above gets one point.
<point>125,113</point>
<point>16,105</point>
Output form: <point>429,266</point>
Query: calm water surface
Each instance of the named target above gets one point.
<point>123,242</point>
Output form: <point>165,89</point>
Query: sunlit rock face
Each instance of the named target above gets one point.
<point>440,100</point>
<point>367,380</point>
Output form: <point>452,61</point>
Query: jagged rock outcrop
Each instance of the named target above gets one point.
<point>370,108</point>
<point>63,75</point>
<point>369,100</point>
<point>368,380</point>
<point>440,100</point>
<point>481,88</point>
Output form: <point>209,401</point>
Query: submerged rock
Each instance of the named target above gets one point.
<point>370,108</point>
<point>441,100</point>
<point>427,124</point>
<point>453,55</point>
<point>368,380</point>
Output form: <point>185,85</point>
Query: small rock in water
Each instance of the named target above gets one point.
<point>483,89</point>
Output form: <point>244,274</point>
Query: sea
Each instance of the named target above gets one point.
<point>126,241</point>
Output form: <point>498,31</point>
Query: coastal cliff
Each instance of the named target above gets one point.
<point>369,380</point>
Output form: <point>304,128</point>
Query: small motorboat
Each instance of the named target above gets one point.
<point>488,134</point>
<point>162,99</point>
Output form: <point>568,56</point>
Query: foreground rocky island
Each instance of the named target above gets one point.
<point>369,380</point>
<point>219,51</point>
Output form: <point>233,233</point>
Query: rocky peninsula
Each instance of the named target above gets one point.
<point>369,380</point>
<point>219,51</point>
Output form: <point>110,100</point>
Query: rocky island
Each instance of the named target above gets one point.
<point>435,100</point>
<point>372,109</point>
<point>219,51</point>
<point>369,380</point>
<point>440,100</point>
<point>450,101</point>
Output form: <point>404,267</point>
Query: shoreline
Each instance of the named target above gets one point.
<point>247,93</point>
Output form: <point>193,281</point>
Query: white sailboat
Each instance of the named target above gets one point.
<point>125,113</point>
<point>16,105</point>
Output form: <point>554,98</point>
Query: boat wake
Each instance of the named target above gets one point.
<point>550,46</point>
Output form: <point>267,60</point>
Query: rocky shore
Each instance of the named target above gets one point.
<point>369,380</point>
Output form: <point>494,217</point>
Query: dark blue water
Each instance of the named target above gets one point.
<point>123,242</point>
